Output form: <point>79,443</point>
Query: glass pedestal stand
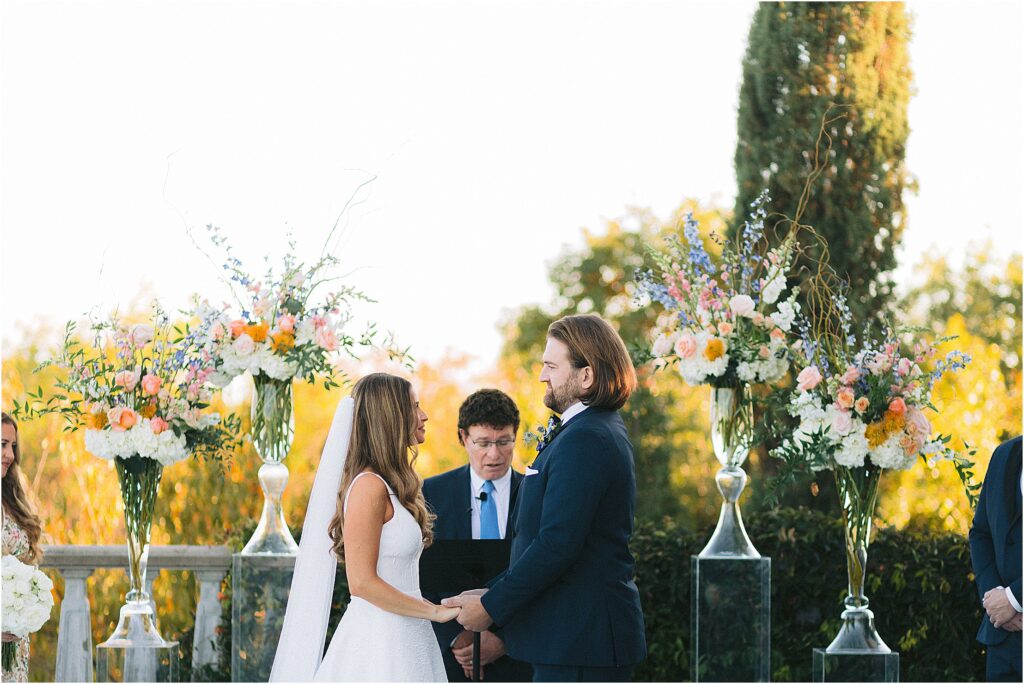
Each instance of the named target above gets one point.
<point>259,595</point>
<point>854,667</point>
<point>730,619</point>
<point>124,663</point>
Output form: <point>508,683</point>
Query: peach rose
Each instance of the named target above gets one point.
<point>122,418</point>
<point>286,323</point>
<point>898,406</point>
<point>764,352</point>
<point>725,328</point>
<point>851,375</point>
<point>126,379</point>
<point>686,346</point>
<point>237,327</point>
<point>918,424</point>
<point>217,331</point>
<point>845,398</point>
<point>808,378</point>
<point>777,334</point>
<point>861,405</point>
<point>326,339</point>
<point>151,384</point>
<point>158,425</point>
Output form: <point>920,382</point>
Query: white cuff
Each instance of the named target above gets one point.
<point>1013,600</point>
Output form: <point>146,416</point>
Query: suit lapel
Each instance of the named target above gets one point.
<point>465,513</point>
<point>1011,487</point>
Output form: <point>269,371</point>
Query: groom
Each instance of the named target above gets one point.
<point>568,604</point>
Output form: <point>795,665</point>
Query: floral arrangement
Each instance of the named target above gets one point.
<point>866,405</point>
<point>727,324</point>
<point>27,601</point>
<point>138,391</point>
<point>277,330</point>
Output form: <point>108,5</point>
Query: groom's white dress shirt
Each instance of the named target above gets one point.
<point>502,493</point>
<point>574,410</point>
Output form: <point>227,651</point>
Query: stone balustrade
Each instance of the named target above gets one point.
<point>77,563</point>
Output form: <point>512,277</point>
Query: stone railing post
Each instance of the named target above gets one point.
<point>74,632</point>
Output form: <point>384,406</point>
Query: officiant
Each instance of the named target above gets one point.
<point>476,501</point>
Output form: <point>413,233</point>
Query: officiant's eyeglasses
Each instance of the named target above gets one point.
<point>485,444</point>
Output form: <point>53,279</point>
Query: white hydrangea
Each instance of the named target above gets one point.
<point>852,448</point>
<point>27,597</point>
<point>276,366</point>
<point>167,448</point>
<point>785,314</point>
<point>890,454</point>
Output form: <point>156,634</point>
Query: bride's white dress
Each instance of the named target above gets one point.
<point>371,644</point>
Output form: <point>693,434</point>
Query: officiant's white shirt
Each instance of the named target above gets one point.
<point>502,493</point>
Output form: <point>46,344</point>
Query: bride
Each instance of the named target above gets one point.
<point>366,503</point>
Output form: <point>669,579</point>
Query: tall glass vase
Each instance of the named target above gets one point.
<point>858,491</point>
<point>139,479</point>
<point>732,427</point>
<point>272,431</point>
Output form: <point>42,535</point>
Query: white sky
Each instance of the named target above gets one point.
<point>496,130</point>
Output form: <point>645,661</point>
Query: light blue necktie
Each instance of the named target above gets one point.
<point>489,514</point>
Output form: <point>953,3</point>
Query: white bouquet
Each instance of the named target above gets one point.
<point>27,599</point>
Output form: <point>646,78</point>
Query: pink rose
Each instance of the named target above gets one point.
<point>151,384</point>
<point>141,335</point>
<point>686,346</point>
<point>244,345</point>
<point>898,406</point>
<point>842,422</point>
<point>122,418</point>
<point>851,375</point>
<point>319,321</point>
<point>326,339</point>
<point>845,398</point>
<point>286,323</point>
<point>724,328</point>
<point>126,379</point>
<point>904,367</point>
<point>861,405</point>
<point>918,424</point>
<point>158,425</point>
<point>808,379</point>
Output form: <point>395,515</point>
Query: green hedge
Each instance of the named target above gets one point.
<point>920,586</point>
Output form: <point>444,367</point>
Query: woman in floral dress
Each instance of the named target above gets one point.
<point>21,532</point>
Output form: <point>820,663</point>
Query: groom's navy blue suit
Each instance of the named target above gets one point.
<point>996,554</point>
<point>568,598</point>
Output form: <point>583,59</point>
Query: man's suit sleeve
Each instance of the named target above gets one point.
<point>576,482</point>
<point>983,552</point>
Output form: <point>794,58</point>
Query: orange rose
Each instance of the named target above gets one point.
<point>257,331</point>
<point>282,341</point>
<point>122,418</point>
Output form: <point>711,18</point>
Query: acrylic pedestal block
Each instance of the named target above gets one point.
<point>855,667</point>
<point>730,619</point>
<point>259,595</point>
<point>137,664</point>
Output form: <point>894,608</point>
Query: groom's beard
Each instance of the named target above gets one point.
<point>560,398</point>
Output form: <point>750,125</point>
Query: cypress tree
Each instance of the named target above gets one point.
<point>801,58</point>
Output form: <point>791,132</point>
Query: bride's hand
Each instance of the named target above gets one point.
<point>445,613</point>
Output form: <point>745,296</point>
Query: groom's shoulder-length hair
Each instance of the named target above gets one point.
<point>593,342</point>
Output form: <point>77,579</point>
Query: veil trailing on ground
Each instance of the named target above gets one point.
<point>301,646</point>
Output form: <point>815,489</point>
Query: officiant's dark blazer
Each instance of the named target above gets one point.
<point>995,538</point>
<point>568,597</point>
<point>448,496</point>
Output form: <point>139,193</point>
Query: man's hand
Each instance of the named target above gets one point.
<point>998,607</point>
<point>491,648</point>
<point>473,615</point>
<point>1014,625</point>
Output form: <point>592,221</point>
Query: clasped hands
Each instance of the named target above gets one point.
<point>473,616</point>
<point>1001,612</point>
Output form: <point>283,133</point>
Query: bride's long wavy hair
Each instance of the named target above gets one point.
<point>15,500</point>
<point>383,440</point>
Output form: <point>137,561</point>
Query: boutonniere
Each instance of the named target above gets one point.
<point>544,434</point>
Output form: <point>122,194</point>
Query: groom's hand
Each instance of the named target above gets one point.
<point>491,648</point>
<point>473,615</point>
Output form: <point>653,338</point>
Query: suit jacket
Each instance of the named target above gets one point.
<point>995,534</point>
<point>448,496</point>
<point>568,597</point>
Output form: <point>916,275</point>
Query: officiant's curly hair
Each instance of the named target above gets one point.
<point>16,502</point>
<point>383,440</point>
<point>593,342</point>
